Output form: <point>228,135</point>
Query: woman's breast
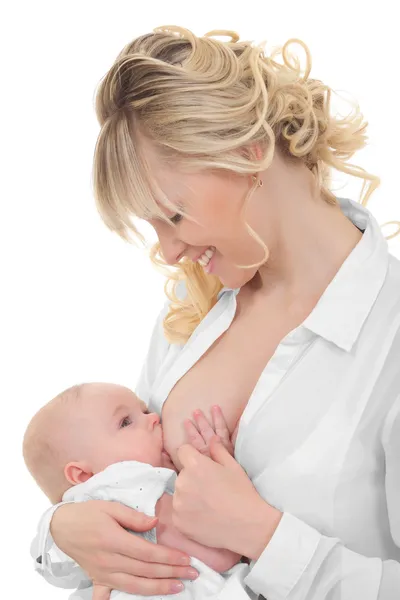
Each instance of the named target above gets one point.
<point>198,390</point>
<point>226,375</point>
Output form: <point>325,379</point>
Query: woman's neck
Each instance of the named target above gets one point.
<point>311,243</point>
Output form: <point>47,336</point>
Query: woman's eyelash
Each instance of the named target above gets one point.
<point>176,218</point>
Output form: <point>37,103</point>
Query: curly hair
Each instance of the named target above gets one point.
<point>199,100</point>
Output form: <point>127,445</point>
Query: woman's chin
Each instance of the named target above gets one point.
<point>237,280</point>
<point>231,276</point>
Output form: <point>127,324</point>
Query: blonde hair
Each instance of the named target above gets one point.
<point>48,441</point>
<point>199,100</point>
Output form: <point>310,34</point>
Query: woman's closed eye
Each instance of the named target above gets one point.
<point>177,218</point>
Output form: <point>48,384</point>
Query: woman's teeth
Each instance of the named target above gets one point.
<point>206,257</point>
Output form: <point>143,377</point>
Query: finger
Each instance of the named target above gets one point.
<point>141,550</point>
<point>220,454</point>
<point>189,456</point>
<point>204,426</point>
<point>130,518</point>
<point>153,570</point>
<point>195,437</point>
<point>101,592</point>
<point>220,425</point>
<point>138,568</point>
<point>146,587</point>
<point>231,448</point>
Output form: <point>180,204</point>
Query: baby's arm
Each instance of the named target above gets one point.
<point>218,559</point>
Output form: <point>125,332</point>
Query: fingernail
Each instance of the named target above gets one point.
<point>177,587</point>
<point>185,560</point>
<point>151,519</point>
<point>192,573</point>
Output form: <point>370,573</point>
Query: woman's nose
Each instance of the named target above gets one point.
<point>171,248</point>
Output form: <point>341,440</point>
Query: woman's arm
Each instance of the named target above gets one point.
<point>49,561</point>
<point>301,564</point>
<point>94,534</point>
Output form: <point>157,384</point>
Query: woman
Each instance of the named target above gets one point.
<point>284,309</point>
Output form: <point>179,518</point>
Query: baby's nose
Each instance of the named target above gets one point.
<point>154,419</point>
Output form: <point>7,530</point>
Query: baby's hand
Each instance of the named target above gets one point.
<point>201,432</point>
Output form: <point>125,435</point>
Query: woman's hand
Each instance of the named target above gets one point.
<point>216,504</point>
<point>101,592</point>
<point>93,534</point>
<point>201,432</point>
<point>166,461</point>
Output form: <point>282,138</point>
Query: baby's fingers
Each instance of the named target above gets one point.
<point>220,425</point>
<point>195,438</point>
<point>206,430</point>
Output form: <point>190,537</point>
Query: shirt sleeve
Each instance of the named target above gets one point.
<point>55,566</point>
<point>299,563</point>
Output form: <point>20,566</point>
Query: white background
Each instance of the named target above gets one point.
<point>78,304</point>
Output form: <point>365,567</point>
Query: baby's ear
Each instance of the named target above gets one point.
<point>77,472</point>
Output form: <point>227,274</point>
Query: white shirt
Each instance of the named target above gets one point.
<point>320,435</point>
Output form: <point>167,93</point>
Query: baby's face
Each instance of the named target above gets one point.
<point>118,427</point>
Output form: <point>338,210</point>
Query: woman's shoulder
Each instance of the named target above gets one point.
<point>382,326</point>
<point>391,286</point>
<point>394,266</point>
<point>391,290</point>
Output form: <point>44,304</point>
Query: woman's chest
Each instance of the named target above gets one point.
<point>225,374</point>
<point>313,449</point>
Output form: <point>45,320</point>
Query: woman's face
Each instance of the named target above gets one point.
<point>213,223</point>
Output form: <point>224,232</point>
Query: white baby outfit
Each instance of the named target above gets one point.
<point>139,486</point>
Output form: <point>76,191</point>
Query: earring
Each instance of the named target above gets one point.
<point>257,179</point>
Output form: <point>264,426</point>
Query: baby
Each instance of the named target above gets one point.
<point>98,441</point>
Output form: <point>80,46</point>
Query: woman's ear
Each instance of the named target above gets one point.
<point>257,151</point>
<point>77,472</point>
<point>252,151</point>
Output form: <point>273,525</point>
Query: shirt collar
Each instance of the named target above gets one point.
<point>347,301</point>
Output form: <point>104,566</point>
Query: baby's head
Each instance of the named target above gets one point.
<point>85,429</point>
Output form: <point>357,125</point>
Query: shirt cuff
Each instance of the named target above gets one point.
<point>281,564</point>
<point>44,542</point>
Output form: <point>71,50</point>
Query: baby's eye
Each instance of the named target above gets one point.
<point>125,422</point>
